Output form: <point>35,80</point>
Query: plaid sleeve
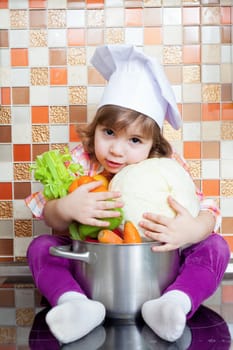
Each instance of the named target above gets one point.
<point>205,203</point>
<point>36,203</point>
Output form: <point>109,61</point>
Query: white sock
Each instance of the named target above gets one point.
<point>166,316</point>
<point>74,317</point>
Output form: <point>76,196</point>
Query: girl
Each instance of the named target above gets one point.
<point>127,130</point>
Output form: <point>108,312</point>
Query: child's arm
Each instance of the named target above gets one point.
<point>184,229</point>
<point>179,231</point>
<point>82,206</point>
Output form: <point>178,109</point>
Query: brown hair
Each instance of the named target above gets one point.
<point>118,118</point>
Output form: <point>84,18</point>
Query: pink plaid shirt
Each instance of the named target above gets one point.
<point>37,201</point>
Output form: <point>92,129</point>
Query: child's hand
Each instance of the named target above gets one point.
<point>176,232</point>
<point>87,207</point>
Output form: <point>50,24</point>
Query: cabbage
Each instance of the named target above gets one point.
<point>145,187</point>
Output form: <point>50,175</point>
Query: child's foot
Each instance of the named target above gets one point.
<point>74,317</point>
<point>166,316</point>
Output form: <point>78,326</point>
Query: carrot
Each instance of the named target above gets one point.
<point>73,186</point>
<point>108,236</point>
<point>131,234</point>
<point>85,179</point>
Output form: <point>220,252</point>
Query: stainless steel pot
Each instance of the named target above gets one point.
<point>121,276</point>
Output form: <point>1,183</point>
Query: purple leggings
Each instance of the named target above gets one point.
<point>202,266</point>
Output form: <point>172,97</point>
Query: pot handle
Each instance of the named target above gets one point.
<point>65,252</point>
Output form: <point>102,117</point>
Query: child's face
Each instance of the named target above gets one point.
<point>116,149</point>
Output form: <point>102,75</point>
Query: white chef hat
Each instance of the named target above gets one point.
<point>137,82</point>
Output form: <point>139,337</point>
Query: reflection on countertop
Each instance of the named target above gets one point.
<point>23,326</point>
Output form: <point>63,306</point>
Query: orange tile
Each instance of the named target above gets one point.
<point>210,187</point>
<point>5,190</point>
<point>22,153</point>
<point>95,37</point>
<point>19,57</point>
<point>227,111</point>
<point>95,3</point>
<point>6,248</point>
<point>94,77</point>
<point>229,240</point>
<point>73,133</point>
<point>152,36</point>
<point>192,150</point>
<point>227,225</point>
<point>191,54</point>
<point>3,4</point>
<point>133,17</point>
<point>210,111</point>
<point>76,37</point>
<point>58,76</point>
<point>225,15</point>
<point>6,96</point>
<point>191,15</point>
<point>37,3</point>
<point>227,294</point>
<point>20,95</point>
<point>40,114</point>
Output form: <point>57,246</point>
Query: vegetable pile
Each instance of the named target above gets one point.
<point>60,176</point>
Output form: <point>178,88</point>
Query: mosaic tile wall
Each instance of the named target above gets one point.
<point>47,85</point>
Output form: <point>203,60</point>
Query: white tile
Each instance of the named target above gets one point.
<point>58,4</point>
<point>20,77</point>
<point>6,229</point>
<point>21,125</point>
<point>210,53</point>
<point>18,38</point>
<point>36,187</point>
<point>211,131</point>
<point>227,149</point>
<point>5,76</point>
<point>226,54</point>
<point>172,35</point>
<point>58,96</point>
<point>114,3</point>
<point>210,169</point>
<point>114,21</point>
<point>77,75</point>
<point>59,133</point>
<point>226,169</point>
<point>191,131</point>
<point>211,35</point>
<point>211,73</point>
<point>191,93</point>
<point>94,94</point>
<point>171,16</point>
<point>24,297</point>
<point>57,38</point>
<point>7,316</point>
<point>226,206</point>
<point>75,18</point>
<point>20,245</point>
<point>6,153</point>
<point>5,60</point>
<point>6,173</point>
<point>4,19</point>
<point>154,51</point>
<point>20,210</point>
<point>16,4</point>
<point>38,57</point>
<point>40,228</point>
<point>39,95</point>
<point>134,36</point>
<point>22,334</point>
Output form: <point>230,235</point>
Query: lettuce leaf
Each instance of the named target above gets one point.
<point>56,171</point>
